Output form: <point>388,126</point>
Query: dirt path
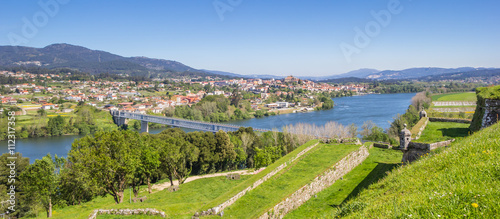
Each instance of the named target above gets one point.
<point>162,186</point>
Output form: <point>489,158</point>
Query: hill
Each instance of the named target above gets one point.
<point>92,61</point>
<point>438,185</point>
<point>418,72</point>
<point>489,75</point>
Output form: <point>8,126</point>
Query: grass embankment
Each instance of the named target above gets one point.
<point>416,128</point>
<point>235,190</point>
<point>301,172</point>
<point>469,96</point>
<point>180,204</point>
<point>370,171</point>
<point>442,131</point>
<point>461,181</point>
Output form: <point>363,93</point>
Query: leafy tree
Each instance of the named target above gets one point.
<point>224,149</point>
<point>6,181</point>
<point>109,158</point>
<point>56,125</point>
<point>40,181</point>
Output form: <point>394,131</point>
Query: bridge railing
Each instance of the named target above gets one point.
<point>188,123</point>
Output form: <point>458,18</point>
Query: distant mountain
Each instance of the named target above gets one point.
<point>225,73</point>
<point>417,72</point>
<point>92,61</point>
<point>487,75</point>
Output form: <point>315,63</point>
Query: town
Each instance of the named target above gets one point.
<point>50,91</point>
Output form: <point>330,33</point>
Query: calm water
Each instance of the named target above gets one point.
<point>379,108</point>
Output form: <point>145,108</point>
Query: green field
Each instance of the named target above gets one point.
<point>301,172</point>
<point>232,192</point>
<point>461,181</point>
<point>442,131</point>
<point>180,204</point>
<point>469,96</point>
<point>370,171</point>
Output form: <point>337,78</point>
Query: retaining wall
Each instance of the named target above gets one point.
<point>216,210</point>
<point>321,182</point>
<point>466,121</point>
<point>147,211</point>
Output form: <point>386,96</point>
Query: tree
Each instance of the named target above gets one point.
<point>56,125</point>
<point>6,181</point>
<point>353,130</point>
<point>224,149</point>
<point>109,158</point>
<point>177,156</point>
<point>40,181</point>
<point>205,142</point>
<point>150,161</point>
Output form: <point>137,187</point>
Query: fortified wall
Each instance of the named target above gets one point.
<point>321,182</point>
<point>487,109</point>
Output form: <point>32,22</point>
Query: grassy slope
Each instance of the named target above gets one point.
<point>370,171</point>
<point>181,204</point>
<point>442,131</point>
<point>469,96</point>
<point>439,184</point>
<point>297,174</point>
<point>235,190</point>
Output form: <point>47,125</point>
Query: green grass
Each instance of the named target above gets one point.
<point>235,190</point>
<point>370,171</point>
<point>416,127</point>
<point>447,184</point>
<point>442,131</point>
<point>469,96</point>
<point>279,187</point>
<point>489,92</point>
<point>180,204</point>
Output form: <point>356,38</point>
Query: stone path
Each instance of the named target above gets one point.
<point>162,186</point>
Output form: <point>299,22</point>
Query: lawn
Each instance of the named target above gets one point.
<point>370,171</point>
<point>442,131</point>
<point>180,204</point>
<point>461,181</point>
<point>299,173</point>
<point>469,96</point>
<point>235,190</point>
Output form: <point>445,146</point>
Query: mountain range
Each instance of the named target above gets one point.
<point>96,61</point>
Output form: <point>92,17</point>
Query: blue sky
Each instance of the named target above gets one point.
<point>279,37</point>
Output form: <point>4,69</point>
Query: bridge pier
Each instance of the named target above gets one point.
<point>144,126</point>
<point>119,121</point>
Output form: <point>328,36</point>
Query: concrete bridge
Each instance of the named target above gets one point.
<point>120,116</point>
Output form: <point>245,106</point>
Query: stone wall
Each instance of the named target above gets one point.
<point>321,182</point>
<point>218,209</point>
<point>415,149</point>
<point>454,103</point>
<point>382,145</point>
<point>417,131</point>
<point>491,112</point>
<point>147,211</point>
<point>466,121</point>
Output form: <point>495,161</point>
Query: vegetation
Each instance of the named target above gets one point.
<point>180,204</point>
<point>83,120</point>
<point>438,185</point>
<point>442,131</point>
<point>296,175</point>
<point>374,168</point>
<point>245,184</point>
<point>455,97</point>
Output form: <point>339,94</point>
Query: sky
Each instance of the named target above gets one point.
<point>278,37</point>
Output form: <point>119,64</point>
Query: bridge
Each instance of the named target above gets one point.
<point>120,116</point>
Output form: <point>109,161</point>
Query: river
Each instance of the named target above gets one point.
<point>379,108</point>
